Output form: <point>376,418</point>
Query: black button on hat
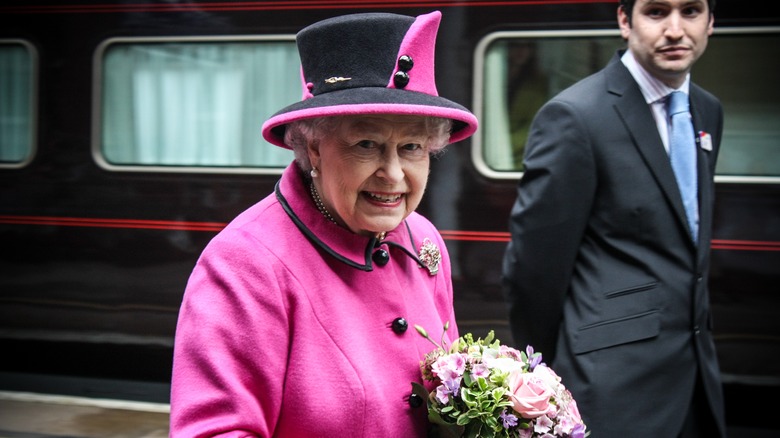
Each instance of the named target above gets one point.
<point>401,79</point>
<point>405,63</point>
<point>400,325</point>
<point>381,257</point>
<point>415,400</point>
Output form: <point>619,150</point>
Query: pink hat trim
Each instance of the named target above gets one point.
<point>372,108</point>
<point>420,44</point>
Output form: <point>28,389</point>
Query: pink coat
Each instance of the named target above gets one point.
<point>285,329</point>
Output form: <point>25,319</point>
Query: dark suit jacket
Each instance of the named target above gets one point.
<point>601,274</point>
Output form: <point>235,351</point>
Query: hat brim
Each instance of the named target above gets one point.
<point>371,100</point>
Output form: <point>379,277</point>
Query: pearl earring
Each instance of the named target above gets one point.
<point>314,173</point>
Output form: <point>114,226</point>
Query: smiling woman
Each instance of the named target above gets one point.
<point>327,270</point>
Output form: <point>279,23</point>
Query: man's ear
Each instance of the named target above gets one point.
<point>624,21</point>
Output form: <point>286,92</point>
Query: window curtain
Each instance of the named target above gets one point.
<point>196,104</point>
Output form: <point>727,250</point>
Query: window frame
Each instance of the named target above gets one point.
<point>34,98</point>
<point>477,146</point>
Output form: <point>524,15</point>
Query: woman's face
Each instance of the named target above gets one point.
<point>373,170</point>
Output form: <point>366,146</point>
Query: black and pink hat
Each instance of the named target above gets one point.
<point>374,63</point>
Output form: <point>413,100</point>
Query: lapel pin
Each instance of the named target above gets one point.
<point>705,140</point>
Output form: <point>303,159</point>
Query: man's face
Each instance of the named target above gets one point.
<point>667,36</point>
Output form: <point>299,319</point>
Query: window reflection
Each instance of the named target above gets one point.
<point>16,113</point>
<point>522,72</point>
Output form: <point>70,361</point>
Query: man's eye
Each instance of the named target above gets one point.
<point>655,12</point>
<point>692,11</point>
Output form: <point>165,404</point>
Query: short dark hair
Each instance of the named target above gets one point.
<point>628,7</point>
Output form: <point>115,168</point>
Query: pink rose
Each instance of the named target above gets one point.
<point>574,411</point>
<point>530,394</point>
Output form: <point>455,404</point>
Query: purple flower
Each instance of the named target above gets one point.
<point>508,419</point>
<point>480,370</point>
<point>449,367</point>
<point>448,387</point>
<point>442,394</point>
<point>578,432</point>
<point>533,360</point>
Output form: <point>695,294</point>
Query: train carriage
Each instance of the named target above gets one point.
<point>130,135</point>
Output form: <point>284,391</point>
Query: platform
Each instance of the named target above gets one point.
<point>31,415</point>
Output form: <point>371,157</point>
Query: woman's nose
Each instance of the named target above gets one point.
<point>391,167</point>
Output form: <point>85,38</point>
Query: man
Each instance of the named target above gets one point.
<point>605,274</point>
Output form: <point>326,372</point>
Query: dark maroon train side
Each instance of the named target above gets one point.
<point>93,262</point>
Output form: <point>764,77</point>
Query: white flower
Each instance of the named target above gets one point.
<point>504,364</point>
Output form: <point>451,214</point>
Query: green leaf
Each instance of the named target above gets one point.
<point>467,379</point>
<point>474,431</point>
<point>463,419</point>
<point>467,395</point>
<point>421,391</point>
<point>435,418</point>
<point>498,393</point>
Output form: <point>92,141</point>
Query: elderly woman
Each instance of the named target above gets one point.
<point>295,320</point>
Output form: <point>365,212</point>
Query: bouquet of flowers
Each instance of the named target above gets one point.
<point>485,389</point>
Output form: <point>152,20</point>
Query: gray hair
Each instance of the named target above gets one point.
<point>299,134</point>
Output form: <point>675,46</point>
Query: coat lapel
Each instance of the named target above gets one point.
<point>705,170</point>
<point>640,125</point>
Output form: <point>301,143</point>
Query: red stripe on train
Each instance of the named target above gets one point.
<point>478,236</point>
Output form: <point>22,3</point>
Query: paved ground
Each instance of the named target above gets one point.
<point>26,415</point>
<point>29,415</point>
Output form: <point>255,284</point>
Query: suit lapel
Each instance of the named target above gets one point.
<point>640,124</point>
<point>705,167</point>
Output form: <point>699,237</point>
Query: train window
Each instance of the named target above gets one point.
<point>195,104</point>
<point>742,70</point>
<point>17,113</point>
<point>516,72</point>
<point>519,73</point>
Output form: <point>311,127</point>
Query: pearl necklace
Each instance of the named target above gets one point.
<point>321,207</point>
<point>319,204</point>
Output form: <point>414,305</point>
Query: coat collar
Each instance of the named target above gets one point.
<point>338,242</point>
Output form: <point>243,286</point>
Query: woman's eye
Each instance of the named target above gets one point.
<point>366,144</point>
<point>412,146</point>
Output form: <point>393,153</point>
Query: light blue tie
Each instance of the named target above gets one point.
<point>682,146</point>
